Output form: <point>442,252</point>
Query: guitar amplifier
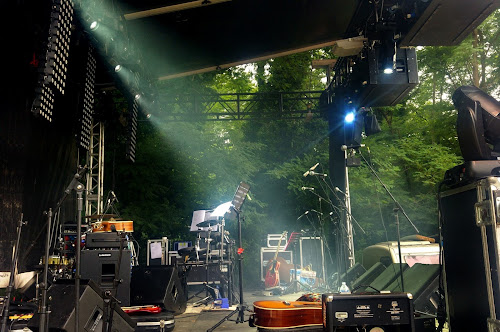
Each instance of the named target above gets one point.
<point>267,254</point>
<point>390,312</point>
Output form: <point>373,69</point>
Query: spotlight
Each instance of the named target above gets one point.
<point>118,68</point>
<point>388,70</point>
<point>148,115</point>
<point>349,118</point>
<point>137,96</point>
<point>94,25</point>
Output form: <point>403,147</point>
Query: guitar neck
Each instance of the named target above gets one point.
<point>279,245</point>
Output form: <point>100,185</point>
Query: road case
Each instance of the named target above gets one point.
<point>471,254</point>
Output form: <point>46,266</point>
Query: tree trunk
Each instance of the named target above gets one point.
<point>475,64</point>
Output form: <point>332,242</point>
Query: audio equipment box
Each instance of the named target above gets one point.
<point>390,312</point>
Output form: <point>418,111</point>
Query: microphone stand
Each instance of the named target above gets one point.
<point>76,185</point>
<point>389,193</point>
<point>12,275</point>
<point>396,216</point>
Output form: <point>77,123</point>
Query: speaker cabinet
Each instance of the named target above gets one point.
<point>62,308</point>
<point>159,285</point>
<point>422,281</point>
<point>102,265</point>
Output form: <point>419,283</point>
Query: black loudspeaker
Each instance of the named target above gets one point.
<point>159,285</point>
<point>391,274</point>
<point>422,281</point>
<point>62,308</point>
<point>352,274</point>
<point>101,266</point>
<point>369,276</point>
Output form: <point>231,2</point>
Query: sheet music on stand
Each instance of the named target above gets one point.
<point>200,216</point>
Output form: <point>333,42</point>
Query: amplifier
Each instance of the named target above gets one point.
<point>104,240</point>
<point>393,311</point>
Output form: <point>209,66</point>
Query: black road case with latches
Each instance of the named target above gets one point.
<point>471,254</point>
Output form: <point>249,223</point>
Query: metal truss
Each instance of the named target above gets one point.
<point>243,106</point>
<point>95,174</point>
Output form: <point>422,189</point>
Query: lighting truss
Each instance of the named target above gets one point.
<point>132,131</point>
<point>88,101</point>
<point>55,63</point>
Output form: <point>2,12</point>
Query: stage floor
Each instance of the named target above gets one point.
<point>202,318</point>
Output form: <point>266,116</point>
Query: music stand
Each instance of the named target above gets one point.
<point>236,203</point>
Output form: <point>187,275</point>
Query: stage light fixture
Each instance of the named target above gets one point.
<point>94,25</point>
<point>388,70</point>
<point>53,71</point>
<point>137,96</point>
<point>132,131</point>
<point>349,117</point>
<point>478,124</point>
<point>148,115</point>
<point>88,101</point>
<point>118,68</point>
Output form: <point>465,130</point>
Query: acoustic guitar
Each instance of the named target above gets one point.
<point>113,226</point>
<point>282,314</point>
<point>272,270</point>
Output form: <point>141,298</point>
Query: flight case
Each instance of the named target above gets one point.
<point>471,254</point>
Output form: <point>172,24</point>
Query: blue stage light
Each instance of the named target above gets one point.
<point>349,118</point>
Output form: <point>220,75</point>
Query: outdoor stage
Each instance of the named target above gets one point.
<point>202,318</point>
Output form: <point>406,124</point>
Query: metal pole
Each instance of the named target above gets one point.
<point>43,310</point>
<point>241,314</point>
<point>79,194</point>
<point>348,220</point>
<point>396,216</point>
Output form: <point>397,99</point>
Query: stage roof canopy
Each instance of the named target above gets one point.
<point>179,37</point>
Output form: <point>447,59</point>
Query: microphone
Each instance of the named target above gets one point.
<point>303,214</point>
<point>114,195</point>
<point>310,171</point>
<point>337,189</point>
<point>314,167</point>
<point>318,174</point>
<point>307,188</point>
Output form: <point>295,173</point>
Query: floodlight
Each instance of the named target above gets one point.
<point>221,210</point>
<point>478,123</point>
<point>94,25</point>
<point>349,118</point>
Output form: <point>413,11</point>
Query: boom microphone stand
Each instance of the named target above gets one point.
<point>396,216</point>
<point>76,185</point>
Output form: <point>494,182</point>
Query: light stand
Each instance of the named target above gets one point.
<point>237,202</point>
